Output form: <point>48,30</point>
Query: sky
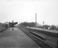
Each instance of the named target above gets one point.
<point>24,11</point>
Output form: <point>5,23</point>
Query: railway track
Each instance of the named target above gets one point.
<point>43,40</point>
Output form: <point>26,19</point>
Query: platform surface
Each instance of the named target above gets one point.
<point>16,39</point>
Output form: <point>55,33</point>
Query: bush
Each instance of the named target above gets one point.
<point>3,27</point>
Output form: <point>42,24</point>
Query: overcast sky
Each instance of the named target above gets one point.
<point>24,10</point>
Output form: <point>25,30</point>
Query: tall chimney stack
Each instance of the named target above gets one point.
<point>35,18</point>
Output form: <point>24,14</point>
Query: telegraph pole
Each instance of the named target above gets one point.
<point>43,22</point>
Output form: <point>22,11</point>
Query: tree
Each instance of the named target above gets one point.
<point>31,24</point>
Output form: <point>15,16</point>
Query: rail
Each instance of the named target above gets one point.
<point>49,37</point>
